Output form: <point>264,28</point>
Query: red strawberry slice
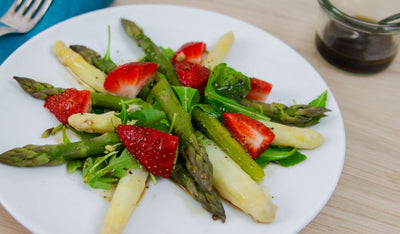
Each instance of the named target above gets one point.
<point>192,75</point>
<point>126,80</point>
<point>154,149</point>
<point>254,136</point>
<point>69,102</point>
<point>190,52</point>
<point>260,90</point>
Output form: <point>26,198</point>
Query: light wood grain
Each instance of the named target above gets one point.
<point>367,198</point>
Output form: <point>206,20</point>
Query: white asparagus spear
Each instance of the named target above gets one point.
<point>218,53</point>
<point>234,185</point>
<point>85,72</point>
<point>99,123</point>
<point>302,138</point>
<point>94,123</point>
<point>126,196</point>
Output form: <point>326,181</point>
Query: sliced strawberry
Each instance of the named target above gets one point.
<point>191,52</point>
<point>192,75</point>
<point>126,80</point>
<point>154,149</point>
<point>69,102</point>
<point>260,90</point>
<point>254,136</point>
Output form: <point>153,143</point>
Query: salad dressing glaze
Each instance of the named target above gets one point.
<point>357,52</point>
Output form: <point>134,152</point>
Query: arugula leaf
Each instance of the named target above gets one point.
<point>107,56</point>
<point>320,101</point>
<point>74,165</point>
<point>106,64</point>
<point>123,114</point>
<point>149,116</point>
<point>64,135</point>
<point>118,165</point>
<point>103,172</point>
<point>188,97</point>
<point>89,174</point>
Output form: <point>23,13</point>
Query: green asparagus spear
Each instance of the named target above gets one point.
<point>112,102</point>
<point>196,157</point>
<point>42,90</point>
<point>298,115</point>
<point>94,58</point>
<point>210,200</point>
<point>213,129</point>
<point>152,51</point>
<point>46,155</point>
<point>37,89</point>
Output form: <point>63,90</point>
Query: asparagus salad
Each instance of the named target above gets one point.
<point>183,115</point>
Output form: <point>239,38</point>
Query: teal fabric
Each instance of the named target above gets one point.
<point>58,11</point>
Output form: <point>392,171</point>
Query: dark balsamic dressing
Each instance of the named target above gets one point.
<point>357,52</point>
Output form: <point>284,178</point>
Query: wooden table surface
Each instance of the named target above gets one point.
<point>367,198</point>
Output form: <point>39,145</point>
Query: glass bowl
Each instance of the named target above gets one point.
<point>350,36</point>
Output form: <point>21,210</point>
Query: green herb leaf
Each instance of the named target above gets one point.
<point>147,117</point>
<point>283,156</point>
<point>209,110</point>
<point>90,177</point>
<point>274,153</point>
<point>168,52</point>
<point>102,172</point>
<point>123,114</point>
<point>320,101</point>
<point>107,56</point>
<point>224,104</point>
<point>188,97</point>
<point>296,158</point>
<point>56,129</point>
<point>64,135</point>
<point>230,83</point>
<point>74,165</point>
<point>119,165</point>
<point>153,178</point>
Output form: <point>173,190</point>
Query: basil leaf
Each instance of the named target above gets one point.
<point>225,104</point>
<point>296,158</point>
<point>274,153</point>
<point>230,83</point>
<point>283,156</point>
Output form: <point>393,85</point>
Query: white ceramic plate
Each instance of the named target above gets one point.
<point>49,200</point>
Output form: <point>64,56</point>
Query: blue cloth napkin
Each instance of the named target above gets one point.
<point>58,11</point>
